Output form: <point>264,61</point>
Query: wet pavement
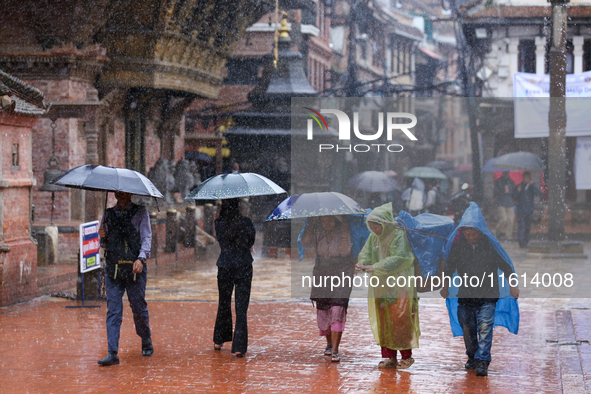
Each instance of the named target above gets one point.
<point>47,348</point>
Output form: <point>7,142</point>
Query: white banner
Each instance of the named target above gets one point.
<point>532,103</point>
<point>583,163</point>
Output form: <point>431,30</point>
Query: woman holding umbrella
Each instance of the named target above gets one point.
<point>236,235</point>
<point>331,238</point>
<point>393,310</point>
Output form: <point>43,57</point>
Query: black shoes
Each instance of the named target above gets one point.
<point>481,368</point>
<point>470,364</point>
<point>111,359</point>
<point>147,348</point>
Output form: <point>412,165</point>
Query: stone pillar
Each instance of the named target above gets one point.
<point>578,43</point>
<point>91,131</point>
<point>190,224</point>
<point>172,231</point>
<point>540,55</point>
<point>513,60</point>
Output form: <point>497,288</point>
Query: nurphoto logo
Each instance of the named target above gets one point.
<point>344,129</point>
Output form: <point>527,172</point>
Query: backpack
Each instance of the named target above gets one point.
<point>123,243</point>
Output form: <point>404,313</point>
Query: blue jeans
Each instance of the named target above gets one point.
<point>477,323</point>
<point>136,294</point>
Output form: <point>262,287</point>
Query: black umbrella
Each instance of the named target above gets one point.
<point>226,186</point>
<point>108,179</point>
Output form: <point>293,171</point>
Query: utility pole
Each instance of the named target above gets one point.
<point>351,88</point>
<point>467,75</point>
<point>557,122</point>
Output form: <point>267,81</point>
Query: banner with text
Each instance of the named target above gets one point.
<point>89,246</point>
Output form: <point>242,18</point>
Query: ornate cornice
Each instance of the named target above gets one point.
<point>66,62</point>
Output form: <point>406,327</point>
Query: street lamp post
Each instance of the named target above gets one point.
<point>557,122</point>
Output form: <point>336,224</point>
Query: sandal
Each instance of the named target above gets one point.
<point>389,363</point>
<point>328,350</point>
<point>335,358</point>
<point>238,354</point>
<point>403,364</point>
<point>217,346</point>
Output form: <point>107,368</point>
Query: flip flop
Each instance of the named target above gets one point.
<point>335,358</point>
<point>389,363</point>
<point>328,351</point>
<point>403,364</point>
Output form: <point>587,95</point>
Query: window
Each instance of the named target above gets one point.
<point>527,56</point>
<point>570,58</point>
<point>15,155</point>
<point>587,55</point>
<point>242,71</point>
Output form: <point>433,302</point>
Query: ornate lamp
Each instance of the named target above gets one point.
<point>51,173</point>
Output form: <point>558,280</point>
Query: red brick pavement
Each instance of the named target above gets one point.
<point>49,349</point>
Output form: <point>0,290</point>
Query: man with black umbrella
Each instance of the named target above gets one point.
<point>127,237</point>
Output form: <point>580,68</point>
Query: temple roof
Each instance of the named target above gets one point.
<point>26,98</point>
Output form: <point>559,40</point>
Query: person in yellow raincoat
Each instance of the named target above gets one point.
<point>393,307</point>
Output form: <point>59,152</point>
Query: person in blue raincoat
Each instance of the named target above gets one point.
<point>483,298</point>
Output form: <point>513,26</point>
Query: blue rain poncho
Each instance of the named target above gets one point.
<point>427,234</point>
<point>507,308</point>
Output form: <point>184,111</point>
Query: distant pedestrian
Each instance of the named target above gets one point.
<point>504,188</point>
<point>332,241</point>
<point>393,310</point>
<point>475,255</point>
<point>524,197</point>
<point>436,201</point>
<point>126,236</point>
<point>236,235</point>
<point>415,197</point>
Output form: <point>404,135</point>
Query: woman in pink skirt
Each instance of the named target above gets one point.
<point>331,239</point>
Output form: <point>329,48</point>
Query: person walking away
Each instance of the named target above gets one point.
<point>475,308</point>
<point>331,238</point>
<point>236,235</point>
<point>503,192</point>
<point>126,236</point>
<point>524,197</point>
<point>393,310</point>
<point>415,197</point>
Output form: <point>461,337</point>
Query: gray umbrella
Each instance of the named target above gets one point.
<point>227,186</point>
<point>108,179</point>
<point>519,161</point>
<point>373,181</point>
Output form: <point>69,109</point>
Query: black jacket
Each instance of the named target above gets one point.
<point>235,249</point>
<point>479,260</point>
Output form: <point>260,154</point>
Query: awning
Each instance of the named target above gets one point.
<point>431,54</point>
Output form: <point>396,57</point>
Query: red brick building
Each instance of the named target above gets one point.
<point>21,106</point>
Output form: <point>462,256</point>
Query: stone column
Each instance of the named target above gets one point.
<point>513,59</point>
<point>91,131</point>
<point>578,43</point>
<point>540,55</point>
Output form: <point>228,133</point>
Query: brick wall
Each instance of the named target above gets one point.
<point>18,273</point>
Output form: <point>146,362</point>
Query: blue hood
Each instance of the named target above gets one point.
<point>507,309</point>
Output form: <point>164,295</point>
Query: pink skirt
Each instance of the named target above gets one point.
<point>332,319</point>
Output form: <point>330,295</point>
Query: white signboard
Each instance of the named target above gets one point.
<point>583,163</point>
<point>89,246</point>
<point>532,104</point>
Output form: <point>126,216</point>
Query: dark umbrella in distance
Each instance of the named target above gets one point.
<point>315,204</point>
<point>519,161</point>
<point>373,181</point>
<point>227,186</point>
<point>441,165</point>
<point>489,166</point>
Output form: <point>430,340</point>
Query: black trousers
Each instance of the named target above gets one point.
<point>239,277</point>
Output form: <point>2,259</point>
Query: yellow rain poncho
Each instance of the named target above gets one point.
<point>393,310</point>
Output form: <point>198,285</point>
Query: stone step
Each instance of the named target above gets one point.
<point>54,278</point>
